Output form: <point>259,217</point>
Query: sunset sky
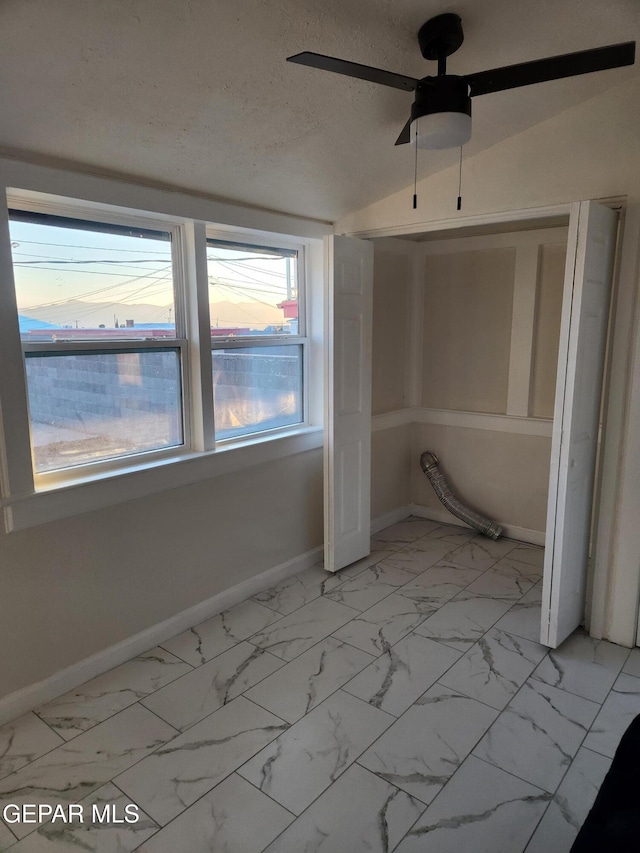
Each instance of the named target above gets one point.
<point>57,267</point>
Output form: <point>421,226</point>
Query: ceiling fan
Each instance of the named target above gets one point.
<point>441,112</point>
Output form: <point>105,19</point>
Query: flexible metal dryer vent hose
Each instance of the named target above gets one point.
<point>430,466</point>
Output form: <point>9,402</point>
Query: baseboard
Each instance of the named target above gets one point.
<point>380,522</point>
<point>511,531</point>
<point>522,534</point>
<point>28,698</point>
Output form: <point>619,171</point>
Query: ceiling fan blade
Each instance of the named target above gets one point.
<point>405,134</point>
<point>552,68</point>
<point>354,69</point>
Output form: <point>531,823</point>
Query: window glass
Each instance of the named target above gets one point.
<point>252,290</point>
<point>89,407</point>
<point>79,280</point>
<point>256,388</point>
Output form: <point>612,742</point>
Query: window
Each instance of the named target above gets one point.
<point>90,406</point>
<point>103,355</point>
<point>258,337</point>
<point>102,311</point>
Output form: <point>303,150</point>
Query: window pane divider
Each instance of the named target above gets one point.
<point>98,346</point>
<point>256,341</point>
<point>200,388</point>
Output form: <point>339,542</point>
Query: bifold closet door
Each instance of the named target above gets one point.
<point>347,383</point>
<point>583,334</point>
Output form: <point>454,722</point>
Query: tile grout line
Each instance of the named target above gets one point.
<point>333,692</point>
<point>162,827</point>
<point>581,746</point>
<point>573,693</point>
<point>110,716</point>
<point>160,746</point>
<point>413,704</point>
<point>282,663</point>
<point>328,788</point>
<point>106,781</point>
<point>454,774</point>
<point>53,748</point>
<point>48,725</point>
<point>602,704</point>
<point>552,794</point>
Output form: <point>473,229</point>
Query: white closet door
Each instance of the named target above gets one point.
<point>583,332</point>
<point>347,446</point>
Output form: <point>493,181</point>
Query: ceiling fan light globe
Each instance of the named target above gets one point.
<point>441,130</point>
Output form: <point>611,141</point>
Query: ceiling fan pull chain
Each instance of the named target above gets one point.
<point>415,171</point>
<point>459,207</point>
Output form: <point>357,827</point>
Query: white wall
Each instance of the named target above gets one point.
<point>74,587</point>
<point>391,306</point>
<point>391,462</point>
<point>502,475</point>
<point>590,151</point>
<point>391,359</point>
<point>466,336</point>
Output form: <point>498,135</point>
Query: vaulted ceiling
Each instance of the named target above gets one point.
<point>196,94</point>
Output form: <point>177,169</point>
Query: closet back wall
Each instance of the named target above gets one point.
<point>390,448</point>
<point>487,346</point>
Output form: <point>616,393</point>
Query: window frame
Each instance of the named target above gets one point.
<point>115,463</point>
<point>83,471</point>
<point>30,499</point>
<point>248,341</point>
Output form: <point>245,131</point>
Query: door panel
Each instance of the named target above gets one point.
<point>347,474</point>
<point>583,332</point>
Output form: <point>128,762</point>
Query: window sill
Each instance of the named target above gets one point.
<point>82,494</point>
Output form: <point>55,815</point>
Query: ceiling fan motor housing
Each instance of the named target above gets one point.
<point>440,36</point>
<point>441,112</point>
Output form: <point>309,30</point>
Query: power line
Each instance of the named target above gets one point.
<point>255,299</point>
<point>98,248</point>
<point>96,291</point>
<point>107,261</point>
<point>248,277</point>
<point>53,269</point>
<point>246,285</point>
<point>268,272</point>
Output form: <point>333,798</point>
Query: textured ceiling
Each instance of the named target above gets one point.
<point>196,93</point>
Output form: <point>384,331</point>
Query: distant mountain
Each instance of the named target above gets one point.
<point>255,315</point>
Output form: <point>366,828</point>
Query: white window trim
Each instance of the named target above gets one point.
<point>154,471</point>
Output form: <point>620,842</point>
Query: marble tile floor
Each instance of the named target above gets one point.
<point>403,704</point>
